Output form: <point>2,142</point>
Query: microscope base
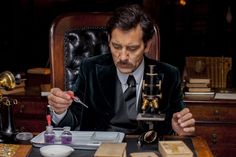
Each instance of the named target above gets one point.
<point>150,117</point>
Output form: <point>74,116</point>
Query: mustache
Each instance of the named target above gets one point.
<point>124,63</point>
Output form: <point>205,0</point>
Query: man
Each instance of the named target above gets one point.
<point>102,83</point>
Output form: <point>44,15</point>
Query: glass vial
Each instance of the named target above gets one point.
<point>66,136</point>
<point>49,135</point>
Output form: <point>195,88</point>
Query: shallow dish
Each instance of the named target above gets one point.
<point>24,136</point>
<point>56,151</point>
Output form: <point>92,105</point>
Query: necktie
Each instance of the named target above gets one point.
<point>130,93</point>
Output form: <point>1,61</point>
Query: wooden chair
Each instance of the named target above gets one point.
<point>66,50</point>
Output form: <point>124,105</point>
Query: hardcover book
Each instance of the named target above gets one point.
<point>199,80</point>
<point>196,89</point>
<point>225,96</point>
<point>189,85</point>
<point>199,95</point>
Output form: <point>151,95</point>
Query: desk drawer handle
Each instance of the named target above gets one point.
<point>217,113</point>
<point>214,138</point>
<point>22,106</point>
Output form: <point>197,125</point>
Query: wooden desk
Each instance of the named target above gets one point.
<point>15,150</point>
<point>216,122</point>
<point>200,145</point>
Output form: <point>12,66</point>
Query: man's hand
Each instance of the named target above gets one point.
<point>59,100</point>
<point>183,123</point>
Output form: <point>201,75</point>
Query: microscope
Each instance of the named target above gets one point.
<point>151,94</point>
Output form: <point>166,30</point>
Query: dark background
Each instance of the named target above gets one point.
<point>199,28</point>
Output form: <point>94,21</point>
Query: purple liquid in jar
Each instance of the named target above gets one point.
<point>66,139</point>
<point>49,138</point>
<point>66,136</point>
<point>49,135</point>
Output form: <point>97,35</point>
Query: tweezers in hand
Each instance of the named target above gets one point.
<point>76,99</point>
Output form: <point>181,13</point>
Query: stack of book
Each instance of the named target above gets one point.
<point>198,86</point>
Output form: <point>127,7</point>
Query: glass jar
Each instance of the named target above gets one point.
<point>66,136</point>
<point>49,135</point>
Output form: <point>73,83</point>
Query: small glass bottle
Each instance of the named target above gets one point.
<point>49,135</point>
<point>66,136</point>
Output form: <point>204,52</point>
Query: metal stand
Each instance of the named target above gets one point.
<point>8,131</point>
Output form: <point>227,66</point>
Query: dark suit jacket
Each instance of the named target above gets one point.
<point>96,88</point>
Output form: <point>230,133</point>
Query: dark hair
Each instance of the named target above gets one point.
<point>129,17</point>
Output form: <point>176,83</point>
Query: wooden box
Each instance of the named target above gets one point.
<point>111,150</point>
<point>174,149</point>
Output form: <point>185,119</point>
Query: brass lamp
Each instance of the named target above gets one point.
<point>7,80</point>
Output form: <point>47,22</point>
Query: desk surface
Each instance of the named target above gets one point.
<point>15,150</point>
<point>200,145</point>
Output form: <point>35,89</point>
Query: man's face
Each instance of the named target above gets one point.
<point>127,48</point>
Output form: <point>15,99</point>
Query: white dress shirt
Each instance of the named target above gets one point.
<point>138,75</point>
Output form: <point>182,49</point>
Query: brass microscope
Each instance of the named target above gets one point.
<point>150,114</point>
<point>7,127</point>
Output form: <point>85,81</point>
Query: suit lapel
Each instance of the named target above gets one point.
<point>106,80</point>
